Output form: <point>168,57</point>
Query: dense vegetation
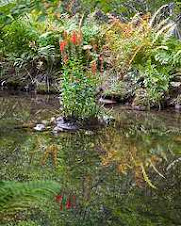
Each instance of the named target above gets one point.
<point>134,53</point>
<point>129,51</point>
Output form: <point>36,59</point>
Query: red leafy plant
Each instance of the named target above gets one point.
<point>66,202</point>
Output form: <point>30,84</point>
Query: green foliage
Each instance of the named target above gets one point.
<point>146,46</point>
<point>17,37</point>
<point>29,48</point>
<point>79,92</point>
<point>19,196</point>
<point>156,82</point>
<point>124,8</point>
<point>80,79</point>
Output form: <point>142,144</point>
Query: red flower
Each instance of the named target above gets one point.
<point>62,45</point>
<point>73,38</point>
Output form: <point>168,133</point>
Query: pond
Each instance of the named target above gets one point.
<point>127,173</point>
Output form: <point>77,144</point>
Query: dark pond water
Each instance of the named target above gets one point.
<point>128,173</point>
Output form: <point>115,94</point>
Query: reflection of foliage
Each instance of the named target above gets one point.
<point>50,150</point>
<point>19,196</point>
<point>9,109</point>
<point>106,195</point>
<point>129,157</point>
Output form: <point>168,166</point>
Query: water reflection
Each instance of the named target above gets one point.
<point>125,174</point>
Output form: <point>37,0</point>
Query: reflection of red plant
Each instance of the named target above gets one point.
<point>59,198</point>
<point>94,67</point>
<point>62,45</point>
<point>68,204</point>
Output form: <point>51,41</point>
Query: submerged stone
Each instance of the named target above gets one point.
<point>39,127</point>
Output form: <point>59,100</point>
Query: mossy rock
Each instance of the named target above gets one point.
<point>42,88</point>
<point>119,90</point>
<point>141,100</point>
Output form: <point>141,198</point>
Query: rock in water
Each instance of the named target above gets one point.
<point>60,119</point>
<point>107,101</point>
<point>178,106</point>
<point>67,126</point>
<point>57,130</point>
<point>175,84</point>
<point>39,127</point>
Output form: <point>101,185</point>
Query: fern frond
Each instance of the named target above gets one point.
<point>157,13</point>
<point>153,166</point>
<point>16,196</point>
<point>166,28</point>
<point>145,176</point>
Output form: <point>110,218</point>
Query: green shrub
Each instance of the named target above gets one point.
<point>80,79</point>
<point>146,46</point>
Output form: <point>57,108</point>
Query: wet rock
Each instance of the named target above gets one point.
<point>60,119</point>
<point>138,108</point>
<point>39,127</point>
<point>57,129</point>
<point>52,120</point>
<point>63,124</point>
<point>107,101</point>
<point>67,126</point>
<point>175,84</point>
<point>177,78</point>
<point>178,106</point>
<point>176,102</point>
<point>120,91</point>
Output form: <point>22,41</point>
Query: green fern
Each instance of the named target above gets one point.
<point>19,196</point>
